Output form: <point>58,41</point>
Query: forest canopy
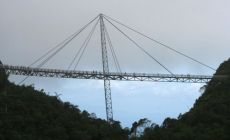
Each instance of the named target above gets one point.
<point>29,114</point>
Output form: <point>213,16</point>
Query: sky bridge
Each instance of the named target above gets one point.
<point>98,75</point>
<point>36,68</point>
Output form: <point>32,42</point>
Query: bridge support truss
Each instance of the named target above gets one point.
<point>108,98</point>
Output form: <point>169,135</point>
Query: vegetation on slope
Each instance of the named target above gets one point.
<point>28,114</point>
<point>209,119</point>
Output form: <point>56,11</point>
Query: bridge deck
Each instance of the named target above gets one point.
<point>41,72</point>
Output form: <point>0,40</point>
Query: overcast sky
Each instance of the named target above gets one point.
<point>198,28</point>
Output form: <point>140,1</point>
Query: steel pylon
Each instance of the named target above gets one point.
<point>108,97</point>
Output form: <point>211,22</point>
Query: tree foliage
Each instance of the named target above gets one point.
<point>3,79</point>
<point>28,114</point>
<point>209,119</point>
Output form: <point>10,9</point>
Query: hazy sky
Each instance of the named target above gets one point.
<point>199,28</point>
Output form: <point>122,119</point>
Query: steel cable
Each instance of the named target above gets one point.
<point>162,44</point>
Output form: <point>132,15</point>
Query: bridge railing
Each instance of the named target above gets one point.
<point>30,71</point>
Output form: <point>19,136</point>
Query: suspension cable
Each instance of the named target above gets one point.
<point>62,44</point>
<point>162,44</point>
<point>86,42</point>
<point>68,38</point>
<point>142,49</point>
<point>116,62</point>
<point>82,46</point>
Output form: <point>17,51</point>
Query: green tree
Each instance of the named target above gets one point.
<point>3,78</point>
<point>209,119</point>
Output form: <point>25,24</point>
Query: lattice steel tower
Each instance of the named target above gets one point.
<point>108,98</point>
<point>106,75</point>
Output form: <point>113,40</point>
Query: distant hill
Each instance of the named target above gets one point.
<point>209,119</point>
<point>28,114</point>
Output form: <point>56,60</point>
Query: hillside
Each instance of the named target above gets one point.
<point>209,119</point>
<point>28,114</point>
